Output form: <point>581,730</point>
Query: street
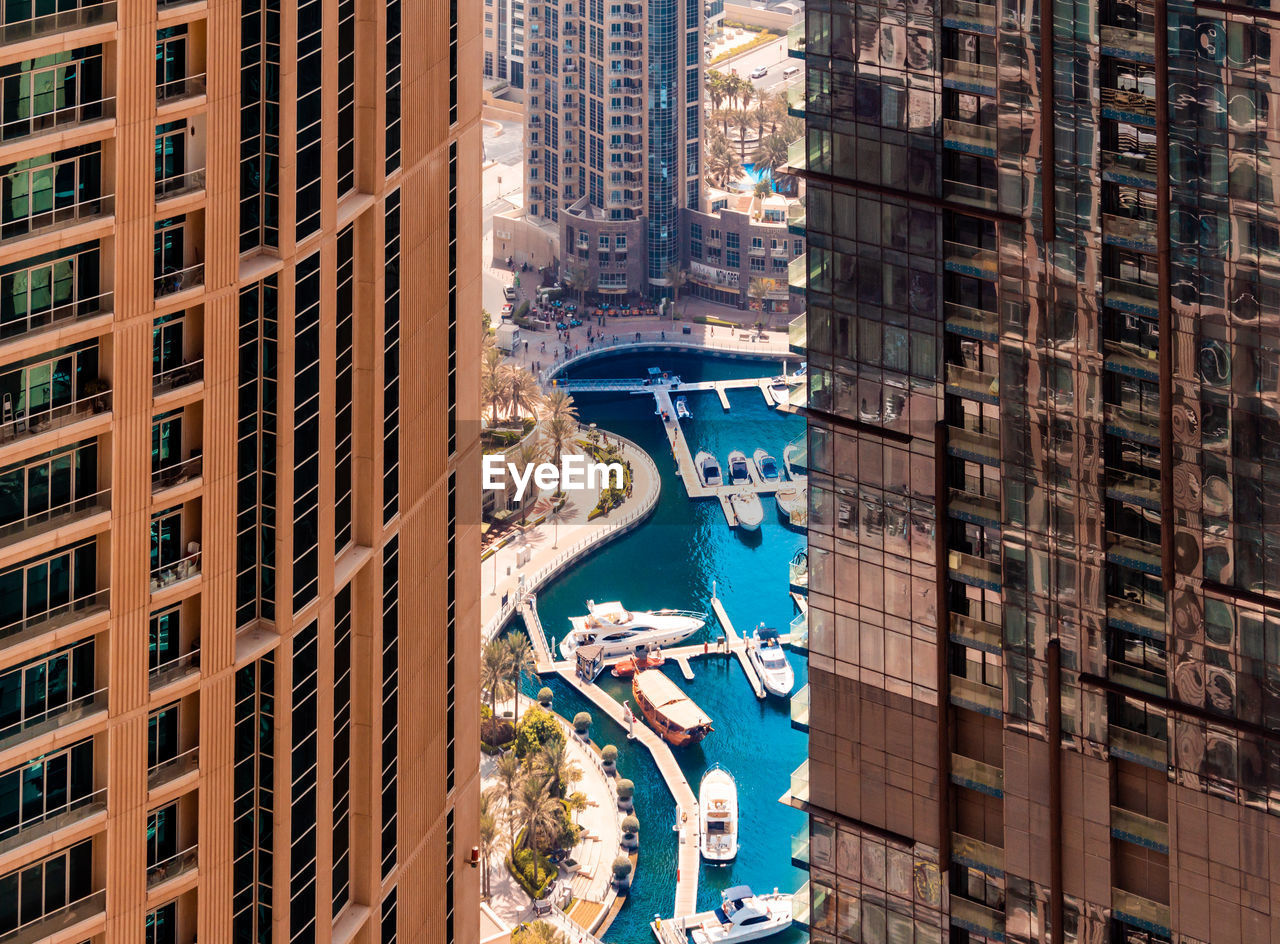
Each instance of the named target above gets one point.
<point>772,56</point>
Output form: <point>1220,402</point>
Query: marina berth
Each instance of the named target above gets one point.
<point>669,711</point>
<point>766,466</point>
<point>770,661</point>
<point>622,632</point>
<point>747,509</point>
<point>744,916</point>
<point>718,815</point>
<point>739,472</point>
<point>708,470</point>
<point>793,504</point>
<point>682,409</point>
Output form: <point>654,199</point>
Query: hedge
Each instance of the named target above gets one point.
<point>520,865</point>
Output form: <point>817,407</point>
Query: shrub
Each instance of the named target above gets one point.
<point>626,789</point>
<point>581,722</point>
<point>485,712</point>
<point>545,697</point>
<point>609,755</point>
<point>536,730</point>
<point>621,867</point>
<point>520,864</point>
<point>497,732</point>
<point>521,310</point>
<point>631,824</point>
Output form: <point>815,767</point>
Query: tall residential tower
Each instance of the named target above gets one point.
<point>1043,337</point>
<point>238,507</point>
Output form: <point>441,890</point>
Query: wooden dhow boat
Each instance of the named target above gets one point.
<point>669,710</point>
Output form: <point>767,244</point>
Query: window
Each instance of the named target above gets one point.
<point>310,117</point>
<point>43,887</point>
<point>51,783</point>
<point>162,735</point>
<point>389,924</point>
<point>171,62</point>
<point>303,811</point>
<point>62,186</point>
<point>391,361</point>
<point>162,925</point>
<point>42,588</point>
<point>451,636</point>
<point>252,802</point>
<point>50,484</point>
<point>341,874</point>
<point>256,453</point>
<point>162,835</point>
<point>51,90</point>
<point>346,96</point>
<point>259,124</point>
<point>43,289</point>
<point>452,424</point>
<point>390,700</point>
<point>306,436</point>
<point>393,85</point>
<point>171,157</point>
<point>41,687</point>
<point>343,390</point>
<point>164,638</point>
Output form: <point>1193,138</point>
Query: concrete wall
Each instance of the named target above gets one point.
<point>752,16</point>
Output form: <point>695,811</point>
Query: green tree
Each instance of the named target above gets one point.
<point>561,769</point>
<point>536,729</point>
<point>539,932</point>
<point>522,662</point>
<point>530,452</point>
<point>495,672</point>
<point>557,433</point>
<point>541,814</point>
<point>522,393</point>
<point>510,773</point>
<point>559,403</point>
<point>488,834</point>
<point>771,152</point>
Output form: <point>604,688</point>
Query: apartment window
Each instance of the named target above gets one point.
<point>43,887</point>
<point>171,157</point>
<point>393,85</point>
<point>453,62</point>
<point>346,96</point>
<point>171,61</point>
<point>49,784</point>
<point>51,90</point>
<point>451,637</point>
<point>732,240</point>
<point>306,431</point>
<point>166,540</point>
<point>256,453</point>
<point>42,588</point>
<point>47,485</point>
<point>453,299</point>
<point>252,806</point>
<point>46,685</point>
<point>390,700</point>
<point>343,389</point>
<point>162,835</point>
<point>302,847</point>
<point>310,117</point>
<point>389,924</point>
<point>162,925</point>
<point>391,361</point>
<point>162,735</point>
<point>166,440</point>
<point>164,637</point>
<point>259,124</point>
<point>757,263</point>
<point>47,288</point>
<point>449,866</point>
<point>61,186</point>
<point>732,259</point>
<point>341,873</point>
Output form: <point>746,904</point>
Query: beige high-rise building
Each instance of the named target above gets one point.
<point>238,491</point>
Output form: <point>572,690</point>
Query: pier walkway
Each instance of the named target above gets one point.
<point>537,638</point>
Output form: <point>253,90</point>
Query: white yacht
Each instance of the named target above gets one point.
<point>793,503</point>
<point>766,466</point>
<point>739,471</point>
<point>743,916</point>
<point>718,815</point>
<point>682,409</point>
<point>747,509</point>
<point>779,391</point>
<point>622,632</point>
<point>770,662</point>
<point>708,469</point>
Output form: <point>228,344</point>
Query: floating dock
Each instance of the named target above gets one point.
<point>738,646</point>
<point>685,669</point>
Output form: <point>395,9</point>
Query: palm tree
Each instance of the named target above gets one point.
<point>522,392</point>
<point>676,278</point>
<point>717,88</point>
<point>559,403</point>
<point>562,771</point>
<point>539,813</point>
<point>488,837</point>
<point>531,451</point>
<point>495,378</point>
<point>746,94</point>
<point>722,163</point>
<point>522,663</point>
<point>741,124</point>
<point>510,773</point>
<point>495,672</point>
<point>771,153</point>
<point>575,803</point>
<point>558,432</point>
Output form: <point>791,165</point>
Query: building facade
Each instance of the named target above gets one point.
<point>218,563</point>
<point>738,250</point>
<point>613,135</point>
<point>1043,303</point>
<point>504,39</point>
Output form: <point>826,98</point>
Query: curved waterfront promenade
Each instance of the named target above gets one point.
<point>770,347</point>
<point>546,560</point>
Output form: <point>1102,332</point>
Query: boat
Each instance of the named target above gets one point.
<point>650,659</point>
<point>682,409</point>
<point>744,916</point>
<point>739,472</point>
<point>668,710</point>
<point>770,662</point>
<point>766,466</point>
<point>779,391</point>
<point>622,632</point>
<point>708,470</point>
<point>718,815</point>
<point>796,457</point>
<point>793,504</point>
<point>747,509</point>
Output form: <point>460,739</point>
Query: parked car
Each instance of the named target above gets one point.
<point>509,293</point>
<point>759,72</point>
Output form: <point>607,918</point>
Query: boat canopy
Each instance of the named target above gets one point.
<point>766,634</point>
<point>736,893</point>
<point>666,696</point>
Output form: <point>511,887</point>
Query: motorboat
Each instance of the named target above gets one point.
<point>649,659</point>
<point>622,632</point>
<point>708,469</point>
<point>739,471</point>
<point>779,392</point>
<point>770,661</point>
<point>747,509</point>
<point>796,457</point>
<point>744,916</point>
<point>793,504</point>
<point>669,710</point>
<point>767,466</point>
<point>682,409</point>
<point>718,815</point>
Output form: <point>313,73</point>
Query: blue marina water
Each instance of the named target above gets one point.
<point>673,560</point>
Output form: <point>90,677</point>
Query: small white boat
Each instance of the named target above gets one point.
<point>739,471</point>
<point>622,632</point>
<point>682,409</point>
<point>744,916</point>
<point>796,457</point>
<point>708,469</point>
<point>766,466</point>
<point>779,391</point>
<point>718,815</point>
<point>747,509</point>
<point>793,504</point>
<point>770,661</point>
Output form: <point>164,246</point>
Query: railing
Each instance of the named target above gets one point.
<point>798,273</point>
<point>28,424</point>
<point>185,87</point>
<point>969,74</point>
<point>172,867</point>
<point>1129,103</point>
<point>796,39</point>
<point>971,260</point>
<point>177,473</point>
<point>980,447</point>
<point>66,311</point>
<point>977,854</point>
<point>182,569</point>
<point>173,767</point>
<point>178,184</point>
<point>976,775</point>
<point>967,11</point>
<point>174,669</point>
<point>1140,830</point>
<point>1144,427</point>
<point>186,373</point>
<point>973,569</point>
<point>52,820</point>
<point>73,610</point>
<point>665,339</point>
<point>799,789</point>
<point>1138,747</point>
<point>800,711</point>
<point>46,121</point>
<point>81,211</point>
<point>1130,43</point>
<point>977,139</point>
<point>977,918</point>
<point>1138,678</point>
<point>60,22</point>
<point>972,322</point>
<point>970,506</point>
<point>1129,232</point>
<point>798,331</point>
<point>800,847</point>
<point>45,926</point>
<point>51,718</point>
<point>986,636</point>
<point>1141,489</point>
<point>179,280</point>
<point>1144,620</point>
<point>1131,359</point>
<point>1138,168</point>
<point>977,384</point>
<point>984,699</point>
<point>1135,552</point>
<point>1145,913</point>
<point>82,506</point>
<point>970,194</point>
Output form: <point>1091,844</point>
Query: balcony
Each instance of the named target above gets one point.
<point>1135,617</point>
<point>977,918</point>
<point>90,908</point>
<point>800,848</point>
<point>984,699</point>
<point>48,122</point>
<point>1128,233</point>
<point>1137,747</point>
<point>798,333</point>
<point>69,814</point>
<point>1124,43</point>
<point>802,906</point>
<point>800,708</point>
<point>968,76</point>
<point>969,138</point>
<point>796,99</point>
<point>179,280</point>
<point>55,617</point>
<point>35,422</point>
<point>77,709</point>
<point>171,475</point>
<point>976,447</point>
<point>799,631</point>
<point>64,21</point>
<point>57,314</point>
<point>167,771</point>
<point>180,185</point>
<point>796,220</point>
<point>173,867</point>
<point>977,854</point>
<point>1139,489</point>
<point>965,14</point>
<point>40,522</point>
<point>174,670</point>
<point>1141,912</point>
<point>1129,105</point>
<point>976,775</point>
<point>1135,553</point>
<point>166,575</point>
<point>973,570</point>
<point>1133,424</point>
<point>189,86</point>
<point>975,633</point>
<point>974,384</point>
<point>796,39</point>
<point>189,372</point>
<point>797,156</point>
<point>1137,678</point>
<point>970,506</point>
<point>1135,169</point>
<point>61,216</point>
<point>958,191</point>
<point>798,274</point>
<point>1139,830</point>
<point>1131,360</point>
<point>1136,298</point>
<point>971,260</point>
<point>797,794</point>
<point>972,322</point>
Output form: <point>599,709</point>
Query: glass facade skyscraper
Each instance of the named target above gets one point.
<point>1043,291</point>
